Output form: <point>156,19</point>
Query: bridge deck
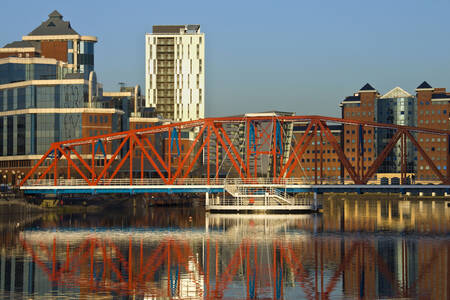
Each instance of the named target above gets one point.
<point>290,188</point>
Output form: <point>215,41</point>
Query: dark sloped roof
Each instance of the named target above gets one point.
<point>367,87</point>
<point>54,26</point>
<point>55,14</point>
<point>19,44</point>
<point>352,98</point>
<point>440,96</point>
<point>424,85</point>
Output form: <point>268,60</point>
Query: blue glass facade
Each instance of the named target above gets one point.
<point>400,111</point>
<point>27,134</point>
<point>32,133</point>
<point>86,57</point>
<point>51,96</point>
<point>12,72</point>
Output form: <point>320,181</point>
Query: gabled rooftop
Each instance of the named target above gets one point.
<point>367,87</point>
<point>54,26</point>
<point>424,85</point>
<point>396,92</point>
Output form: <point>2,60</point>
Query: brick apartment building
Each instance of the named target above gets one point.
<point>310,165</point>
<point>429,108</point>
<point>433,108</point>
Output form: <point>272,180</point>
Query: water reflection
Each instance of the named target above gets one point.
<point>365,249</point>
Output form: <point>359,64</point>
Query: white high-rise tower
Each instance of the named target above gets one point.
<point>175,71</point>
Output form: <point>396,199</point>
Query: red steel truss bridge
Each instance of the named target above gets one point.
<point>202,155</point>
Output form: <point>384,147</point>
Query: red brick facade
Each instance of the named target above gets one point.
<point>433,107</point>
<point>361,107</point>
<point>54,49</point>
<point>310,164</point>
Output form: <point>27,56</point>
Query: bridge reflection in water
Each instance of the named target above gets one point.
<point>356,249</point>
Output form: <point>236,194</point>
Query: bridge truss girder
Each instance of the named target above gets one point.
<point>258,142</point>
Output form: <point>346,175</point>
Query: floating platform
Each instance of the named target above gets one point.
<point>261,208</point>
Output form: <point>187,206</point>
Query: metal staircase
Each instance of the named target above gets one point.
<point>262,195</point>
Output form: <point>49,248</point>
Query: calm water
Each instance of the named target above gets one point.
<point>355,249</point>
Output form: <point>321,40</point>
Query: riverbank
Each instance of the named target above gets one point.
<point>21,206</point>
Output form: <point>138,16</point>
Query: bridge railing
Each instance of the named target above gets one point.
<point>200,181</point>
<point>124,182</point>
<point>178,181</point>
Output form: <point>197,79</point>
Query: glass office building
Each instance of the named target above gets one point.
<point>396,107</point>
<point>49,93</point>
<point>34,114</point>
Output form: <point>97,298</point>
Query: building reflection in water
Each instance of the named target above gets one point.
<point>366,249</point>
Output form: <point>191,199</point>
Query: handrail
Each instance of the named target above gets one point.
<point>227,182</point>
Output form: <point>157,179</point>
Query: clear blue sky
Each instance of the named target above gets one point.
<point>301,56</point>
